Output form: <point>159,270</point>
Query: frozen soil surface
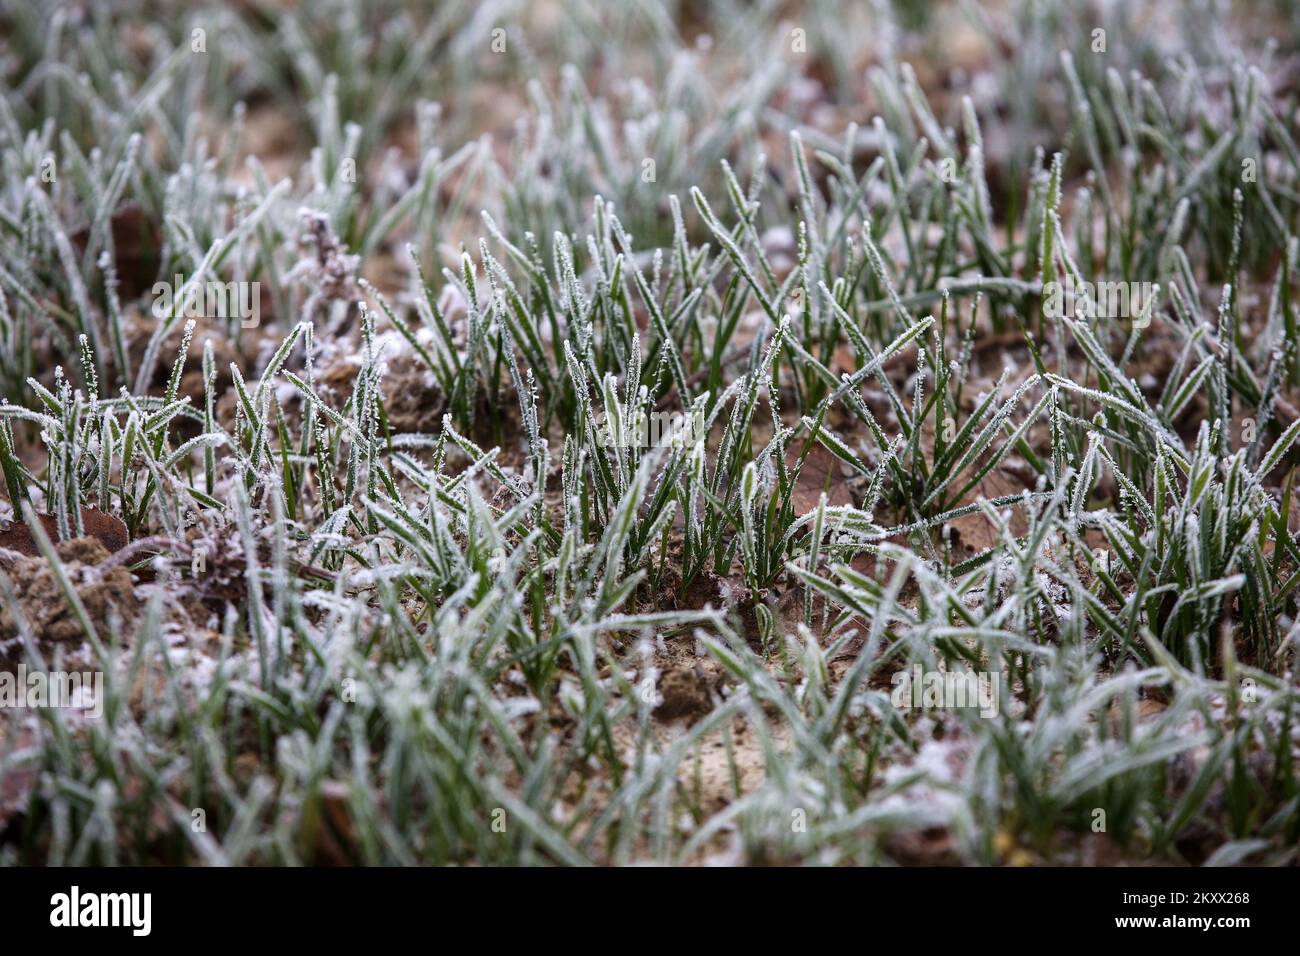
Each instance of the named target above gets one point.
<point>408,565</point>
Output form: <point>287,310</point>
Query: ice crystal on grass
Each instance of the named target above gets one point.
<point>977,349</point>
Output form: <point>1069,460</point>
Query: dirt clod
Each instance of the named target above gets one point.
<point>103,592</point>
<point>685,693</point>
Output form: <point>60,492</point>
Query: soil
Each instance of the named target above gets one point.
<point>107,594</point>
<point>685,693</point>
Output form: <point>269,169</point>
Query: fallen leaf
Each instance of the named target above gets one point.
<point>975,530</point>
<point>109,530</point>
<point>821,470</point>
<point>21,773</point>
<point>136,249</point>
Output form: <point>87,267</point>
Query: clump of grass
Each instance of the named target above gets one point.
<point>369,645</point>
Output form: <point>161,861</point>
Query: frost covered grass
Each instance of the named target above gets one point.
<point>394,576</point>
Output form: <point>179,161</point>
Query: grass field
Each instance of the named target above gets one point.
<point>578,432</point>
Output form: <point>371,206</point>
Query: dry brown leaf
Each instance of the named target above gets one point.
<point>109,530</point>
<point>821,470</point>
